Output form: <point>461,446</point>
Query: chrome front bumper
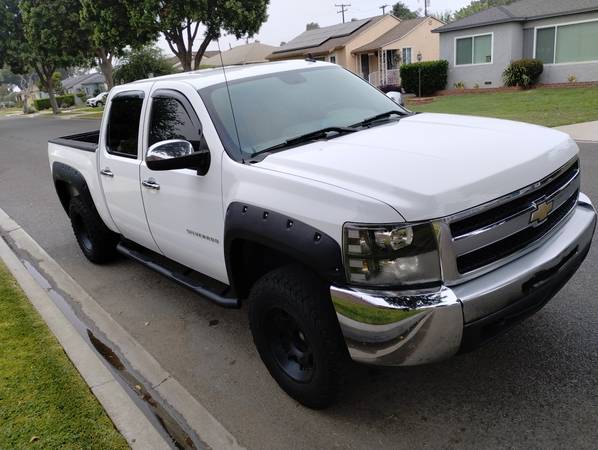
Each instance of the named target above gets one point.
<point>418,327</point>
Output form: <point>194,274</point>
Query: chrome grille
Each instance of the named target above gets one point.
<point>506,226</point>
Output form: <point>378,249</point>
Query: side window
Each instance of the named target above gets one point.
<point>123,124</point>
<point>173,118</point>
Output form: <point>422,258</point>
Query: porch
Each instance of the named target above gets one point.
<point>381,68</point>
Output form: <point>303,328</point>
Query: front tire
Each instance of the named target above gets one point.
<point>95,239</point>
<point>297,335</point>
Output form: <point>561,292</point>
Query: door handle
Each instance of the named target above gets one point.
<point>151,184</point>
<point>107,172</point>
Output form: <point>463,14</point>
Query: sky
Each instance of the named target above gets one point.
<point>287,18</point>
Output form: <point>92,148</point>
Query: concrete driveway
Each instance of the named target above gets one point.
<point>536,387</point>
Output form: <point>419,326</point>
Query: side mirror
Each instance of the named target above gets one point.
<point>177,154</point>
<point>396,97</point>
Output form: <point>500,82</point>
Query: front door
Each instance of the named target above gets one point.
<point>120,157</point>
<point>365,66</point>
<point>184,210</point>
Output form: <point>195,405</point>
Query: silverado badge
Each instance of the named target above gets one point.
<point>541,211</point>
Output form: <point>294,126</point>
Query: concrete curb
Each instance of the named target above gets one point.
<point>129,420</point>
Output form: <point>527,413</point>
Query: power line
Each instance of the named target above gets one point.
<point>383,8</point>
<point>343,9</point>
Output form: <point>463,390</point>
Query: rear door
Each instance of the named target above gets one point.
<point>184,210</point>
<point>120,158</point>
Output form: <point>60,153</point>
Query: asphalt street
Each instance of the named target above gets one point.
<point>536,387</point>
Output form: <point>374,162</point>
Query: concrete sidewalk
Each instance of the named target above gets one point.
<point>586,131</point>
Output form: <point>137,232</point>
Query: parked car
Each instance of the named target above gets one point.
<point>347,225</point>
<point>98,100</point>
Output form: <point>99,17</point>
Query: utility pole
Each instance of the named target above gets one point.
<point>426,4</point>
<point>343,9</point>
<point>383,8</point>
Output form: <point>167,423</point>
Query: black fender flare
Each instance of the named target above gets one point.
<point>298,240</point>
<point>65,174</point>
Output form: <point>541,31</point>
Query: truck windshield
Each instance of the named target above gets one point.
<point>274,108</point>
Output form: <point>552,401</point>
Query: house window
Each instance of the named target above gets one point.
<point>567,43</point>
<point>333,59</point>
<point>407,56</point>
<point>473,50</point>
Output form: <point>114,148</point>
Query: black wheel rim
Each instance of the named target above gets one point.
<point>289,346</point>
<point>82,233</point>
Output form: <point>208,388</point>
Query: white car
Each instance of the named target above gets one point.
<point>347,225</point>
<point>98,100</point>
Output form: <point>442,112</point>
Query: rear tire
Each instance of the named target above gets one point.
<point>96,240</point>
<point>297,335</point>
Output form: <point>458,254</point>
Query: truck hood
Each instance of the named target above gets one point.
<point>432,165</point>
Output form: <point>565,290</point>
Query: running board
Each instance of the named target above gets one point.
<point>148,261</point>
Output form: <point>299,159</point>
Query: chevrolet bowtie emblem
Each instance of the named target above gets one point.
<point>541,212</point>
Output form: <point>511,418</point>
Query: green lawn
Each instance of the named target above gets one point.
<point>44,403</point>
<point>550,107</point>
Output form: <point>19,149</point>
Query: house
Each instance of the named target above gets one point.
<point>90,84</point>
<point>380,59</point>
<point>562,34</point>
<point>255,52</point>
<point>176,63</point>
<point>336,43</point>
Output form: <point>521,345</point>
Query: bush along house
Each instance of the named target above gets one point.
<point>563,35</point>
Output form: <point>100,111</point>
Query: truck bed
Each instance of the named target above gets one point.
<point>83,141</point>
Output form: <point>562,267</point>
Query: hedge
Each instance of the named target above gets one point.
<point>433,76</point>
<point>523,72</point>
<point>64,101</point>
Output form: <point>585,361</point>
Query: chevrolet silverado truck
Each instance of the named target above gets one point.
<point>350,227</point>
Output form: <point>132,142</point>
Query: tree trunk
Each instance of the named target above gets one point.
<point>201,50</point>
<point>45,76</point>
<point>105,59</point>
<point>49,84</point>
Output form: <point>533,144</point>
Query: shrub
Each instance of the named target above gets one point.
<point>63,101</point>
<point>433,76</point>
<point>42,103</point>
<point>459,85</point>
<point>523,72</point>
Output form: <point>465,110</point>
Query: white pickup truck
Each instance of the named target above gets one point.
<point>348,225</point>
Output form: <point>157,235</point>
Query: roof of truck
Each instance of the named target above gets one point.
<point>208,77</point>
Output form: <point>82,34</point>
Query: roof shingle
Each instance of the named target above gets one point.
<point>521,11</point>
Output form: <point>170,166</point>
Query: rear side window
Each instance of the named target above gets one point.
<point>123,124</point>
<point>173,118</point>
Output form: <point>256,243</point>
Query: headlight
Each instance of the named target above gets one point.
<point>391,255</point>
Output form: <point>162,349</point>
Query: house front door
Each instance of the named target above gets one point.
<point>365,65</point>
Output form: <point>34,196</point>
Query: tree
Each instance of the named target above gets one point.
<point>403,12</point>
<point>443,16</point>
<point>312,26</point>
<point>477,6</point>
<point>180,20</point>
<point>142,63</point>
<point>110,32</point>
<point>40,36</point>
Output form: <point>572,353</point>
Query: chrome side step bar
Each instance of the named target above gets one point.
<point>197,287</point>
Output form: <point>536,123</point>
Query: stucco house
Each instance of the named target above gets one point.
<point>381,59</point>
<point>255,52</point>
<point>337,42</point>
<point>373,48</point>
<point>563,34</point>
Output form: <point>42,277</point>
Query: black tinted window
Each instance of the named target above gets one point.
<point>123,124</point>
<point>170,120</point>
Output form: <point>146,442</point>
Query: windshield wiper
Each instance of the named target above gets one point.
<point>307,137</point>
<point>377,117</point>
